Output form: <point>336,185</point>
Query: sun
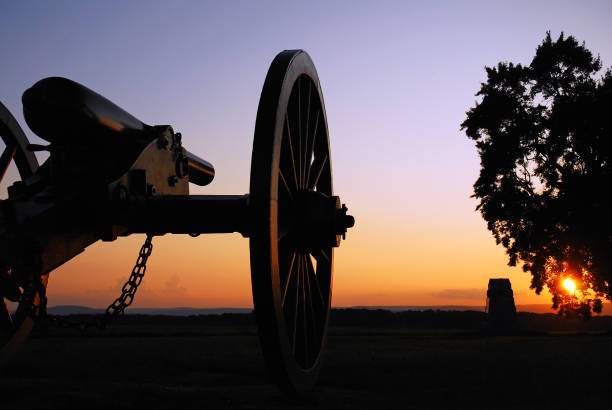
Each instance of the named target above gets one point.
<point>569,285</point>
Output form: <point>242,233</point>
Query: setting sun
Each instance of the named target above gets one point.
<point>569,285</point>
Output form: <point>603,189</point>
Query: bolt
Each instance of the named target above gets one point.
<point>345,221</point>
<point>162,142</point>
<point>349,220</point>
<point>172,180</point>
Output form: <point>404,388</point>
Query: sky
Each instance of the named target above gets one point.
<point>397,78</point>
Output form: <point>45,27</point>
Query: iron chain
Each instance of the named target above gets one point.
<point>28,297</point>
<point>131,286</point>
<point>116,308</point>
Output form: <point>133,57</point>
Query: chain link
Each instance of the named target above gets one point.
<point>28,297</point>
<point>131,286</point>
<point>128,291</point>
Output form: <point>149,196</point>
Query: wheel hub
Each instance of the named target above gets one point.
<point>318,221</point>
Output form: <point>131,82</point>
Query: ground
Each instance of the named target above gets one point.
<point>222,368</point>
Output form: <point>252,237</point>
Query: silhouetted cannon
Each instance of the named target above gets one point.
<point>108,174</point>
<point>66,113</point>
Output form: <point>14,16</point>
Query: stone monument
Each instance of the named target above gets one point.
<point>501,311</point>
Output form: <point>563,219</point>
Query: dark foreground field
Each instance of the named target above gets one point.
<point>184,366</point>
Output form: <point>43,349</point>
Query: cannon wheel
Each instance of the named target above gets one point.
<point>291,287</point>
<point>14,329</point>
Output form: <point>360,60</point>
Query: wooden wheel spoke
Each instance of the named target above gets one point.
<point>306,130</point>
<point>6,320</point>
<point>295,312</point>
<point>303,133</point>
<point>304,311</point>
<point>321,256</point>
<point>317,169</point>
<point>314,313</point>
<point>297,105</point>
<point>312,274</point>
<point>310,152</point>
<point>6,158</point>
<point>285,185</point>
<point>293,167</point>
<point>289,275</point>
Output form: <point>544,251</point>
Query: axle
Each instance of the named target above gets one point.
<point>49,234</point>
<point>313,220</point>
<point>185,214</point>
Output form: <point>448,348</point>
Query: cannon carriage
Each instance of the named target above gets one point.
<point>108,175</point>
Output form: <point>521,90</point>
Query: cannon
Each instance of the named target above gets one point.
<point>109,175</point>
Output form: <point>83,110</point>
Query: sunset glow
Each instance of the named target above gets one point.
<point>569,285</point>
<point>397,78</point>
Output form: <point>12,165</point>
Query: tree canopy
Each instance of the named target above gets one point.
<point>544,136</point>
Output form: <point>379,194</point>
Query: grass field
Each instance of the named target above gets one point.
<point>222,367</point>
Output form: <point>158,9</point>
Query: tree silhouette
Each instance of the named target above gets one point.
<point>544,136</point>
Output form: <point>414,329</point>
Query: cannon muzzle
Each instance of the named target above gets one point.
<point>201,172</point>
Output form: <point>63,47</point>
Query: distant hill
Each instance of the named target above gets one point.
<point>532,308</point>
<point>186,311</point>
<point>461,308</point>
<point>180,311</point>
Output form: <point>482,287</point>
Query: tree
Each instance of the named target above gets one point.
<point>544,136</point>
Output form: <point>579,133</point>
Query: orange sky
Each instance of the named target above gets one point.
<point>373,267</point>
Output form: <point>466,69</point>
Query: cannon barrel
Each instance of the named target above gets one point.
<point>63,111</point>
